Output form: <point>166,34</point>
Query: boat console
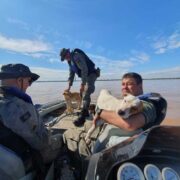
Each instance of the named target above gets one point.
<point>155,153</point>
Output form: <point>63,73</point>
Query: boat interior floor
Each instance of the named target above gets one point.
<point>61,121</point>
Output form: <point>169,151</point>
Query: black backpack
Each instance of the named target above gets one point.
<point>81,52</point>
<point>89,61</point>
<point>161,106</point>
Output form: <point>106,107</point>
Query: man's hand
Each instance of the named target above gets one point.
<point>82,87</point>
<point>68,89</point>
<point>95,119</point>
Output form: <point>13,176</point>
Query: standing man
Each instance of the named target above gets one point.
<point>80,64</point>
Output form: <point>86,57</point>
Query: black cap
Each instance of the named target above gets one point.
<point>9,71</point>
<point>63,53</point>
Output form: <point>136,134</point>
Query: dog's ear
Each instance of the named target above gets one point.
<point>65,92</point>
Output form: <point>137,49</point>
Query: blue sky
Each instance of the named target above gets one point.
<point>119,35</point>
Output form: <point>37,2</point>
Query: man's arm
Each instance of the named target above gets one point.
<point>130,124</point>
<point>134,122</point>
<point>71,78</point>
<point>23,119</point>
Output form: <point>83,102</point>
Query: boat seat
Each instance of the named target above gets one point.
<point>11,166</point>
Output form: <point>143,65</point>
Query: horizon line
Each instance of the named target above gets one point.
<point>110,79</point>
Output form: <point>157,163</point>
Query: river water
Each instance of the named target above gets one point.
<point>43,92</point>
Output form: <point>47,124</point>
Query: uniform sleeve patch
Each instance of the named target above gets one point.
<point>25,117</point>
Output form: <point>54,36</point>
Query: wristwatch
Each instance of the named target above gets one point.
<point>98,111</point>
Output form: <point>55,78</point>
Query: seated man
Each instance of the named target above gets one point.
<point>117,126</point>
<point>20,124</point>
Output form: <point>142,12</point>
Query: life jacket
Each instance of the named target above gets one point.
<point>160,105</point>
<point>74,67</point>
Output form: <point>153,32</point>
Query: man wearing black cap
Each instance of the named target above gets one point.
<point>18,116</point>
<point>83,67</point>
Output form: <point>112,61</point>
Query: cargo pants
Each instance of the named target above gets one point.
<point>89,89</point>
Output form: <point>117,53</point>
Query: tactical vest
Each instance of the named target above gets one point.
<point>17,144</point>
<point>74,67</point>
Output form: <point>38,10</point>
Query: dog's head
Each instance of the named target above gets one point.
<point>92,108</point>
<point>130,105</point>
<point>67,94</point>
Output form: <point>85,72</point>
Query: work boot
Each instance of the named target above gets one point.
<point>82,118</point>
<point>86,113</point>
<point>80,121</point>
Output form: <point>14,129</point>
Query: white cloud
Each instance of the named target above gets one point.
<point>174,41</point>
<point>18,22</point>
<point>35,55</point>
<point>163,44</point>
<point>140,57</point>
<point>100,49</point>
<point>24,46</point>
<point>111,68</point>
<point>164,73</point>
<point>84,44</point>
<point>143,57</point>
<point>53,60</point>
<point>47,74</point>
<point>161,51</point>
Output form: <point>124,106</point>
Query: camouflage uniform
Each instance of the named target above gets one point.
<point>23,119</point>
<point>20,123</point>
<point>87,79</point>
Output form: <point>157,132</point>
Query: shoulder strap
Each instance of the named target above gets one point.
<point>90,63</point>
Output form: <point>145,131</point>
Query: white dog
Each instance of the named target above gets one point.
<point>125,107</point>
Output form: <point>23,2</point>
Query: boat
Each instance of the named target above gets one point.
<point>153,154</point>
